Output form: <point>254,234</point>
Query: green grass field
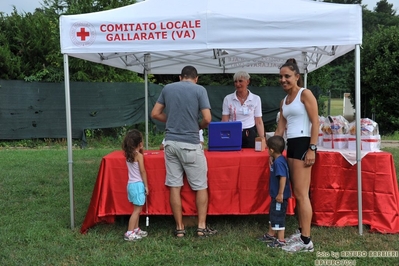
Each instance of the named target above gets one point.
<point>336,107</point>
<point>35,224</point>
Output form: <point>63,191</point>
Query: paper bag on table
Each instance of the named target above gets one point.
<point>260,144</point>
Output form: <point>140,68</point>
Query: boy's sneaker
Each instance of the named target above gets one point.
<point>132,237</point>
<point>277,244</point>
<point>141,233</point>
<point>295,237</point>
<point>267,238</point>
<point>299,246</point>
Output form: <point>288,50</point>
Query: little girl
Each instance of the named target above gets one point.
<point>137,187</point>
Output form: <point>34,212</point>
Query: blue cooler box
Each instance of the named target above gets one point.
<point>225,136</point>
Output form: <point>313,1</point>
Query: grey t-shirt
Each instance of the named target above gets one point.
<point>183,103</point>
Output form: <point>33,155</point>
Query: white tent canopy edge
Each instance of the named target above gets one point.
<point>220,36</point>
<point>216,36</point>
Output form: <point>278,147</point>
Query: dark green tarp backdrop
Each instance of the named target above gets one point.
<point>37,109</point>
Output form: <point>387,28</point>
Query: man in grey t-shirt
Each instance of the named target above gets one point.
<point>180,105</point>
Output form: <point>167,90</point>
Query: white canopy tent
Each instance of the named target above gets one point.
<point>215,36</point>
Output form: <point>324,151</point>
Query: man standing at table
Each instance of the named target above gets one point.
<point>179,105</point>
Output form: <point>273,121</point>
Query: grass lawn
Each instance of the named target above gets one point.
<point>336,106</point>
<point>35,224</point>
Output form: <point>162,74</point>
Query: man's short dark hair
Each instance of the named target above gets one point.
<point>189,72</point>
<point>277,143</point>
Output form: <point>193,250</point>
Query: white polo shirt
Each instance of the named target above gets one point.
<point>245,113</point>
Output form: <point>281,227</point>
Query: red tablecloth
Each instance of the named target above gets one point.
<point>239,182</point>
<point>334,192</point>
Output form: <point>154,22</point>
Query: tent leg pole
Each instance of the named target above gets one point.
<point>69,139</point>
<point>147,60</point>
<point>358,139</point>
<point>146,108</point>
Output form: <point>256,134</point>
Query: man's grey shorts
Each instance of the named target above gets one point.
<point>183,157</point>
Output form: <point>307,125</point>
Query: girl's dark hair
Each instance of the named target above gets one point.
<point>276,143</point>
<point>130,143</point>
<point>291,64</point>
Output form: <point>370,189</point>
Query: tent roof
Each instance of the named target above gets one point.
<point>215,36</point>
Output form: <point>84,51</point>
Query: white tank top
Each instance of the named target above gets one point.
<point>298,123</point>
<point>134,172</point>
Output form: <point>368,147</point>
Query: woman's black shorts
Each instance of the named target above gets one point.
<point>297,147</point>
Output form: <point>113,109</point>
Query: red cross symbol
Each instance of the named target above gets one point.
<point>83,34</point>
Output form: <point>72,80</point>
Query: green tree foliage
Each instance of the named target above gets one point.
<point>383,7</point>
<point>383,14</point>
<point>86,6</point>
<point>379,67</point>
<point>30,46</point>
<point>24,42</point>
<point>380,78</point>
<point>30,50</point>
<point>10,64</point>
<point>332,79</point>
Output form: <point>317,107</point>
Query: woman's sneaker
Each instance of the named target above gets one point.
<point>132,237</point>
<point>141,233</point>
<point>295,237</point>
<point>299,246</point>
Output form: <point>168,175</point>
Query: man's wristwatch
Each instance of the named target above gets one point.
<point>313,147</point>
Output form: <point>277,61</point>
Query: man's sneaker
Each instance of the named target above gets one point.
<point>299,246</point>
<point>295,237</point>
<point>267,238</point>
<point>132,237</point>
<point>141,233</point>
<point>277,244</point>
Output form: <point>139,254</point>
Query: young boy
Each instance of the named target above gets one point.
<point>279,191</point>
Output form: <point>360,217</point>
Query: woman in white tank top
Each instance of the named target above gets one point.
<point>299,114</point>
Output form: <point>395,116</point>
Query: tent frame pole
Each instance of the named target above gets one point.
<point>146,108</point>
<point>358,139</point>
<point>146,66</point>
<point>69,139</point>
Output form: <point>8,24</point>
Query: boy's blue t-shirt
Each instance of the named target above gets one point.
<point>278,169</point>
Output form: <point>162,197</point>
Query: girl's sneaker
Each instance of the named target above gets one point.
<point>141,233</point>
<point>132,237</point>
